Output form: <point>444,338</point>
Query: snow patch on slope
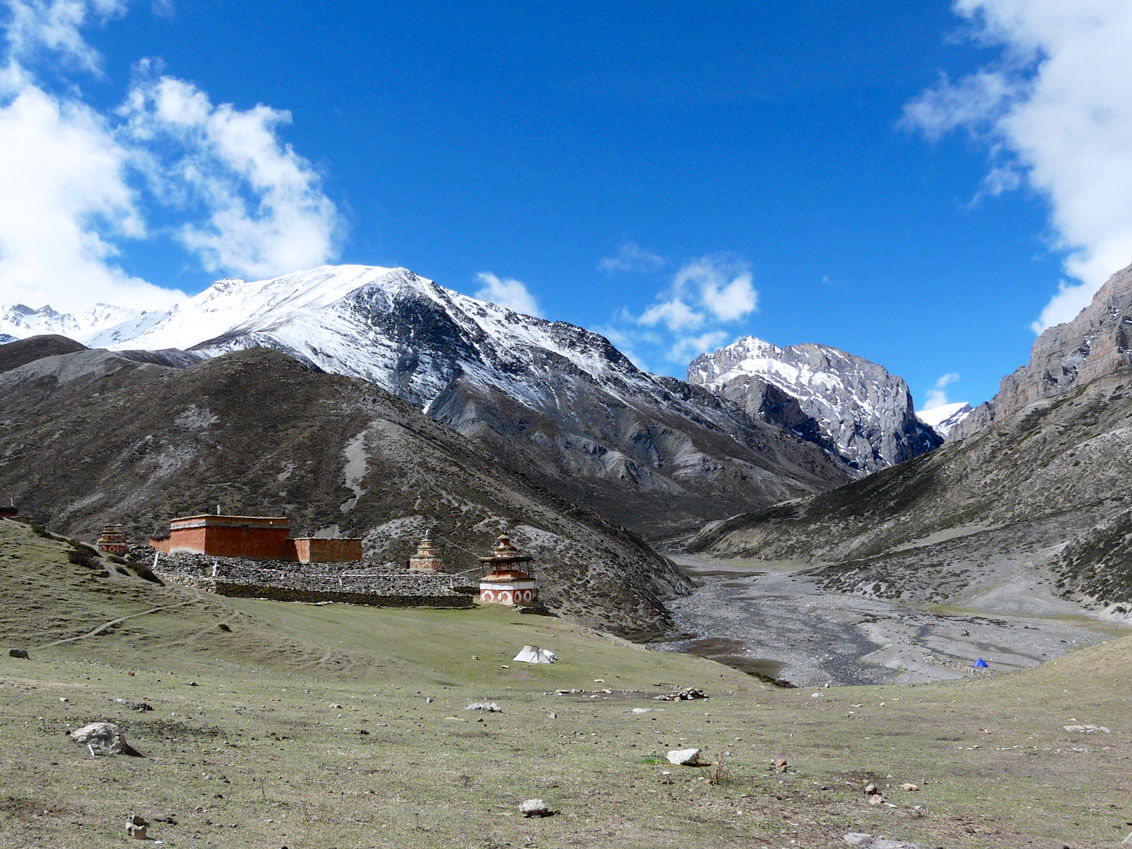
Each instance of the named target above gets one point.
<point>943,418</point>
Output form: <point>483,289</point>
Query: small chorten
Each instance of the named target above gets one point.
<point>426,559</point>
<point>505,582</point>
<point>113,540</point>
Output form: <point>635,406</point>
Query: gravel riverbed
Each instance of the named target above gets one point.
<point>773,620</point>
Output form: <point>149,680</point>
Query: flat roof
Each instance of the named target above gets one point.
<point>230,516</point>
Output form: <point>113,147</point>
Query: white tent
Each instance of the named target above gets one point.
<point>533,654</point>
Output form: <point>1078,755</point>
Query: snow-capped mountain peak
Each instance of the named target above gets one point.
<point>556,400</point>
<point>943,418</point>
<point>20,321</point>
<point>865,411</point>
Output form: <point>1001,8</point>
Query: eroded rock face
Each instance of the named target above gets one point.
<point>555,402</point>
<point>1092,345</point>
<point>845,403</point>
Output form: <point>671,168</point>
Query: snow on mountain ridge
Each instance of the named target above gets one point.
<point>943,418</point>
<point>865,411</point>
<point>20,321</point>
<point>557,401</point>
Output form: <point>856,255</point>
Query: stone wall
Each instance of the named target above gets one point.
<point>372,584</point>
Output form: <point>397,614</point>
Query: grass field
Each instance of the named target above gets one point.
<point>295,725</point>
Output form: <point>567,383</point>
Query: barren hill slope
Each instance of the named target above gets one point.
<point>92,437</point>
<point>555,401</point>
<point>1040,497</point>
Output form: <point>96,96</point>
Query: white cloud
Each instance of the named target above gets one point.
<point>687,348</point>
<point>937,395</point>
<point>65,207</point>
<point>717,286</point>
<point>1064,306</point>
<point>242,200</point>
<point>723,285</point>
<point>53,26</point>
<point>631,257</point>
<point>265,209</point>
<point>674,313</point>
<point>509,293</point>
<point>1055,112</point>
<point>684,321</point>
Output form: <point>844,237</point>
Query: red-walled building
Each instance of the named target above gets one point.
<point>253,537</point>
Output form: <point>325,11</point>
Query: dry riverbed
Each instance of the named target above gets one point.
<point>774,620</point>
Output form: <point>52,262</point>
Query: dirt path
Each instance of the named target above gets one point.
<point>100,629</point>
<point>773,620</point>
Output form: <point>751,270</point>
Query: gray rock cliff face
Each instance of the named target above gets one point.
<point>855,407</point>
<point>553,401</point>
<point>1094,344</point>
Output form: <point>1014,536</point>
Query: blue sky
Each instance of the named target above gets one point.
<point>920,184</point>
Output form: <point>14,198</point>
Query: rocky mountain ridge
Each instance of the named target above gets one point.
<point>1095,343</point>
<point>559,402</point>
<point>19,321</point>
<point>865,413</point>
<point>93,436</point>
<point>1035,503</point>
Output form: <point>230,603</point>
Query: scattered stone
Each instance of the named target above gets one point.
<point>684,757</point>
<point>490,707</point>
<point>876,799</point>
<point>871,789</point>
<point>105,738</point>
<point>781,765</point>
<point>1086,729</point>
<point>536,808</point>
<point>20,653</point>
<point>868,841</point>
<point>687,694</point>
<point>141,706</point>
<point>910,787</point>
<point>429,700</point>
<point>136,827</point>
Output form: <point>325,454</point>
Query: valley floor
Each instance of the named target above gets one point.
<point>346,727</point>
<point>774,620</point>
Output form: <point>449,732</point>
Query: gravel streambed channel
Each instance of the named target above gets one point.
<point>772,620</point>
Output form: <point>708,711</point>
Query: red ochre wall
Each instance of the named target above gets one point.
<point>310,550</point>
<point>223,536</point>
<point>254,537</point>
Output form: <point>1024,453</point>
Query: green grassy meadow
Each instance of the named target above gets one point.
<point>296,725</point>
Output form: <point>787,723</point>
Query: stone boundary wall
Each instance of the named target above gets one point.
<point>286,581</point>
<point>281,593</point>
